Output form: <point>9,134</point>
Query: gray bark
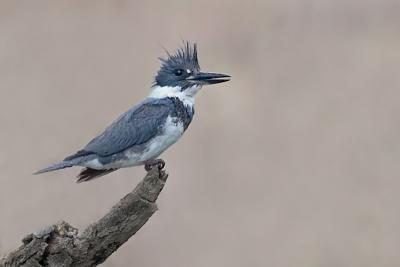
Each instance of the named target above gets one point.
<point>61,245</point>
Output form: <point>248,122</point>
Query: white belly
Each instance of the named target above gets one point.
<point>171,133</point>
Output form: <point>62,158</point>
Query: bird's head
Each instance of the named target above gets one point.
<point>181,71</point>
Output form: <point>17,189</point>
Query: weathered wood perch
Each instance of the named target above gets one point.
<point>60,244</point>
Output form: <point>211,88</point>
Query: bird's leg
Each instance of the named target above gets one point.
<point>154,162</point>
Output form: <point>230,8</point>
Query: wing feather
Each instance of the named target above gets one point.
<point>135,127</point>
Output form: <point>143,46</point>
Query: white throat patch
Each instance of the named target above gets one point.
<point>187,96</point>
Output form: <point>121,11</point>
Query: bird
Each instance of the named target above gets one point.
<point>141,134</point>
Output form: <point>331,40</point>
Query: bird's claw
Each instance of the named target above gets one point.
<point>157,162</point>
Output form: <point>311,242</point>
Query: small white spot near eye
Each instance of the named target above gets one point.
<point>188,71</point>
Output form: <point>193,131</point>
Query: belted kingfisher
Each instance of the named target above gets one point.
<point>141,134</point>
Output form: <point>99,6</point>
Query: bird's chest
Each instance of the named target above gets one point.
<point>184,113</point>
<point>170,132</point>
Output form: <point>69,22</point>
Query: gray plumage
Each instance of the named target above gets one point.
<point>184,58</point>
<point>134,127</point>
<point>142,133</point>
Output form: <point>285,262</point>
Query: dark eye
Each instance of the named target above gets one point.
<point>178,72</point>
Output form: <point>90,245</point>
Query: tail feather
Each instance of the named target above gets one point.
<point>88,174</point>
<point>56,166</point>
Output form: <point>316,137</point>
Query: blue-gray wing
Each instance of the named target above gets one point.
<point>135,127</point>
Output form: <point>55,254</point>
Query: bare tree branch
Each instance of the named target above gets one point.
<point>61,245</point>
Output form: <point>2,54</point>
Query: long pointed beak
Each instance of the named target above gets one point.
<point>209,78</point>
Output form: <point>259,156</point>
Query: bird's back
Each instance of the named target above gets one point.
<point>134,129</point>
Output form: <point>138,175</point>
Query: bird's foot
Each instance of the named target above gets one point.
<point>155,162</point>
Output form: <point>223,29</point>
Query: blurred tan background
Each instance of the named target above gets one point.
<point>295,162</point>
